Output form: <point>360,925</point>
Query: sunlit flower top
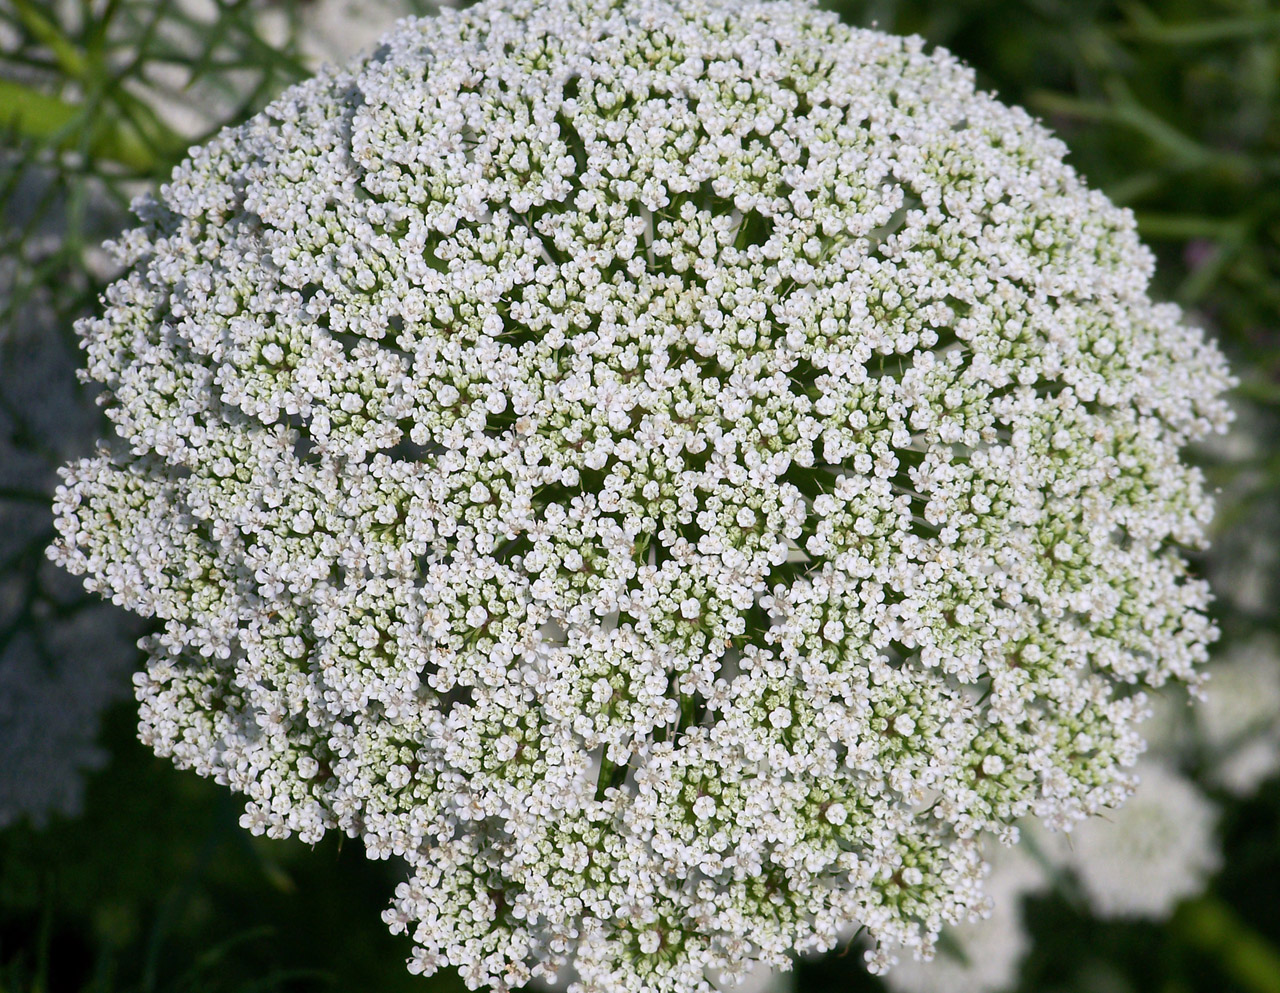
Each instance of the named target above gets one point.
<point>675,473</point>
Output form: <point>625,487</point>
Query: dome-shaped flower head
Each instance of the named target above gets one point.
<point>676,473</point>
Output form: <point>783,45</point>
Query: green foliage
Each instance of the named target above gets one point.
<point>156,889</point>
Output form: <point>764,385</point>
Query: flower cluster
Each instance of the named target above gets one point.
<point>981,956</point>
<point>677,474</point>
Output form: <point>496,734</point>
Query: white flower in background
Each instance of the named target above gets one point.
<point>1245,567</point>
<point>1239,721</point>
<point>57,675</point>
<point>1143,859</point>
<point>474,401</point>
<point>1233,733</point>
<point>63,660</point>
<point>980,956</point>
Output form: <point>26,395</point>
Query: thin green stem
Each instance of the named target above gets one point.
<point>48,119</point>
<point>68,56</point>
<point>1211,926</point>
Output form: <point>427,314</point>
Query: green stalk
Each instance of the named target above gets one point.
<point>1213,928</point>
<point>45,118</point>
<point>68,56</point>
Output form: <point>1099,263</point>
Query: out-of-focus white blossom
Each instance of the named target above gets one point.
<point>57,675</point>
<point>1245,567</point>
<point>1233,731</point>
<point>63,660</point>
<point>675,473</point>
<point>1143,859</point>
<point>761,979</point>
<point>1239,721</point>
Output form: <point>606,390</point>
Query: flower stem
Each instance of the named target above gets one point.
<point>42,117</point>
<point>1247,957</point>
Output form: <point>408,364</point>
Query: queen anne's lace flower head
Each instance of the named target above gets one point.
<point>676,473</point>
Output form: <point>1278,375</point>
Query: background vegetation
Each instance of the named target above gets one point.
<point>1171,107</point>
